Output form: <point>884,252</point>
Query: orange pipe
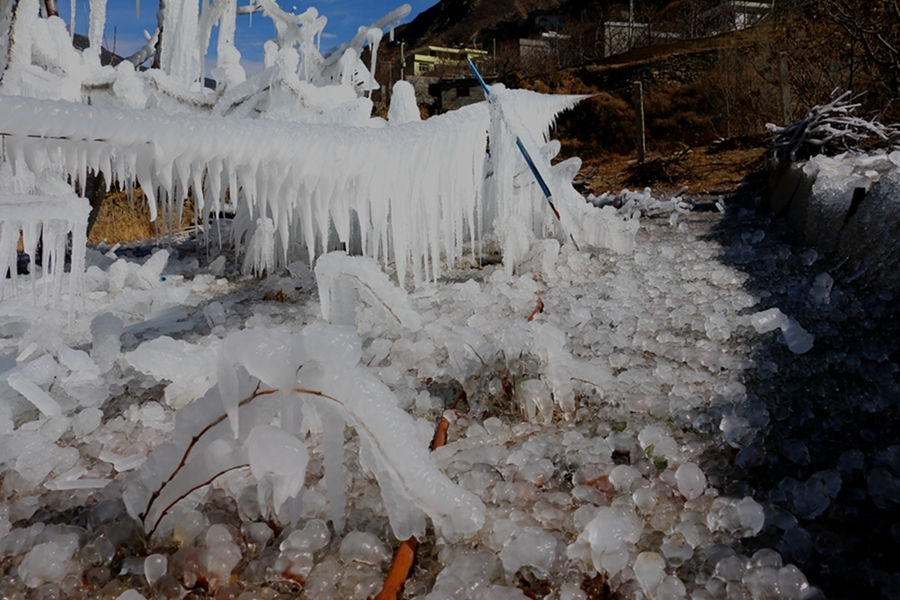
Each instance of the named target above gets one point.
<point>406,553</point>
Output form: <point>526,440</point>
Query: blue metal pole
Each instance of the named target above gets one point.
<point>531,165</point>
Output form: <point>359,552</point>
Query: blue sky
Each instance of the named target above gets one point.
<point>124,28</point>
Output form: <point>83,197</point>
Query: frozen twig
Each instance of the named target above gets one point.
<point>828,129</point>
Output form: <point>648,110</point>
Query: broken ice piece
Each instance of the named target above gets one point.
<point>767,320</point>
<point>797,339</point>
<point>41,399</point>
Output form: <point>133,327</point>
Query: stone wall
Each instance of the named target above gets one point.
<point>677,69</point>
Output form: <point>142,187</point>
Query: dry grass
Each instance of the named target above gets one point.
<point>122,220</point>
<point>703,169</point>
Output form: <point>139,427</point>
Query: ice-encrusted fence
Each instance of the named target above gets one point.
<point>412,193</point>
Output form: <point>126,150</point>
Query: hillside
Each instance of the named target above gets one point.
<point>452,22</point>
<point>458,21</point>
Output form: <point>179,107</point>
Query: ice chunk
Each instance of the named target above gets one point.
<point>650,570</point>
<point>796,544</point>
<point>106,331</point>
<point>671,588</point>
<point>363,547</point>
<point>820,292</point>
<point>149,275</point>
<point>743,518</point>
<point>691,480</point>
<point>221,559</point>
<point>188,526</point>
<point>797,339</point>
<point>768,320</point>
<point>314,536</point>
<point>792,582</point>
<point>155,567</point>
<point>41,399</point>
<point>217,267</point>
<point>214,313</point>
<point>609,534</point>
<point>48,562</point>
<point>531,547</point>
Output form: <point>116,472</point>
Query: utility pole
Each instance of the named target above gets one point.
<point>402,62</point>
<point>640,138</point>
<point>495,56</point>
<point>631,24</point>
<point>785,84</point>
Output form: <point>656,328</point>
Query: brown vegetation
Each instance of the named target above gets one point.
<point>123,219</point>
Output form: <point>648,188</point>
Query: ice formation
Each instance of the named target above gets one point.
<point>303,182</point>
<point>49,220</point>
<point>317,368</point>
<point>321,182</point>
<point>643,342</point>
<point>624,387</point>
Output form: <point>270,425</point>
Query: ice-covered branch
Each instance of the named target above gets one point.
<point>319,367</point>
<point>147,51</point>
<point>827,129</point>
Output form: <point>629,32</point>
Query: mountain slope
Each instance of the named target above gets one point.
<point>452,22</point>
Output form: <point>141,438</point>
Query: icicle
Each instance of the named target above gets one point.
<point>98,22</point>
<point>373,36</point>
<point>22,33</point>
<point>72,10</point>
<point>180,56</point>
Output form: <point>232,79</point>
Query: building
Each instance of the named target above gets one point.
<point>431,59</point>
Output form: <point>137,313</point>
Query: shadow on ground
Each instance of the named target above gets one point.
<point>827,464</point>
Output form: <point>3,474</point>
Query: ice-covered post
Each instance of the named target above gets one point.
<point>520,146</point>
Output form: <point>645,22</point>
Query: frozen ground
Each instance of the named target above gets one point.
<point>695,448</point>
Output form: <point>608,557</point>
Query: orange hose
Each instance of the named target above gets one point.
<point>440,434</point>
<point>406,553</point>
<point>396,577</point>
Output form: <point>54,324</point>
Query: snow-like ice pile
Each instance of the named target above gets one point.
<point>590,432</point>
